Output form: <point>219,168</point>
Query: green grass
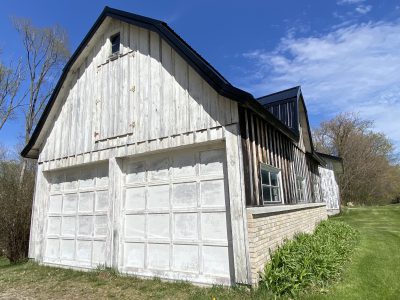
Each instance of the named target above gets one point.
<point>31,281</point>
<point>373,272</point>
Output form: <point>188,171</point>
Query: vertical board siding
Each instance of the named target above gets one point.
<point>261,143</point>
<point>285,111</point>
<point>148,92</point>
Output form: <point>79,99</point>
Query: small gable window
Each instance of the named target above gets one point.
<point>115,41</point>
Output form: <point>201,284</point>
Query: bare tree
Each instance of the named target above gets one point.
<point>10,82</point>
<point>369,171</point>
<point>46,52</point>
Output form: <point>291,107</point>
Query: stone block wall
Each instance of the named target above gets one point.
<point>268,227</point>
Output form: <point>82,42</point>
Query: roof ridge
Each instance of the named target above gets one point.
<point>279,92</point>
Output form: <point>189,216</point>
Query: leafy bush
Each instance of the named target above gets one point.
<point>309,259</point>
<point>15,209</point>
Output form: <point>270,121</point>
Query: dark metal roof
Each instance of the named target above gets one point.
<point>284,105</point>
<point>329,156</point>
<point>287,94</point>
<point>208,72</point>
<point>334,161</point>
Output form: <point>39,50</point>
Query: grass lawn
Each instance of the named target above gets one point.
<point>374,272</point>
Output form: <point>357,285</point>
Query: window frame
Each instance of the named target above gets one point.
<point>270,169</point>
<point>301,189</point>
<point>112,37</point>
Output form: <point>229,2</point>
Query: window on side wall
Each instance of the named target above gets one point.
<point>271,184</point>
<point>300,185</point>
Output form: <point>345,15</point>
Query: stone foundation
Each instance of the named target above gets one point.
<point>269,226</point>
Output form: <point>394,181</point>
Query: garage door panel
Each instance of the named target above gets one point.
<point>175,216</point>
<point>71,180</point>
<point>214,226</point>
<point>54,226</point>
<point>211,162</point>
<point>56,181</point>
<point>87,178</point>
<point>158,256</point>
<point>212,193</point>
<point>99,252</point>
<point>101,203</point>
<point>135,172</point>
<point>158,226</point>
<point>158,196</point>
<point>84,251</point>
<point>216,260</point>
<point>85,226</point>
<point>135,226</point>
<point>134,255</point>
<point>70,202</point>
<point>184,165</point>
<point>158,169</point>
<point>184,195</point>
<point>55,204</point>
<point>135,198</point>
<point>102,176</point>
<point>86,202</point>
<point>67,249</point>
<point>100,225</point>
<point>186,226</point>
<point>68,226</point>
<point>186,258</point>
<point>77,232</point>
<point>52,249</point>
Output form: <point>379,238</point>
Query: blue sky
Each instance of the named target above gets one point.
<point>344,53</point>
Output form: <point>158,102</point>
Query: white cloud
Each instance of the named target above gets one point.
<point>342,2</point>
<point>363,9</point>
<point>353,68</point>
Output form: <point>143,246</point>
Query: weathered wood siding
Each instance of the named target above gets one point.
<point>330,190</point>
<point>262,143</point>
<point>148,92</point>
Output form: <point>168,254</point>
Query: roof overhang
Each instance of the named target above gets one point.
<point>336,161</point>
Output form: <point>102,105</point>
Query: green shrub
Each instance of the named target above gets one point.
<point>309,259</point>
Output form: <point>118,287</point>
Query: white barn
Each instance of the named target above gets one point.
<point>149,161</point>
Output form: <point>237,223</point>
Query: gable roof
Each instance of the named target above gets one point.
<point>284,106</point>
<point>205,70</point>
<point>289,107</point>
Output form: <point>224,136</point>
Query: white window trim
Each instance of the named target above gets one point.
<point>270,168</point>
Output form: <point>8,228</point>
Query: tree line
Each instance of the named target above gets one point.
<point>371,172</point>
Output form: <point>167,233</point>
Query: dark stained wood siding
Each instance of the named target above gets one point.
<point>285,111</point>
<point>262,143</point>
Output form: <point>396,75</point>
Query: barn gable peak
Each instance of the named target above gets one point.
<point>199,64</point>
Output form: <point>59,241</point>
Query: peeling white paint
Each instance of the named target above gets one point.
<point>330,190</point>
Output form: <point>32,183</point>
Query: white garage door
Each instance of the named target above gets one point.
<point>77,217</point>
<point>174,217</point>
